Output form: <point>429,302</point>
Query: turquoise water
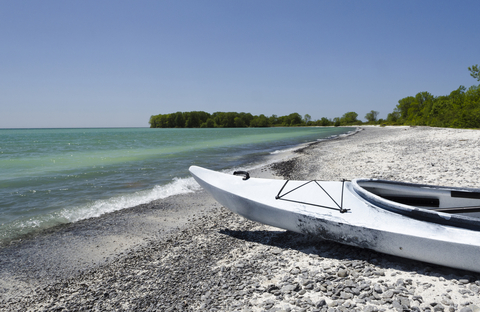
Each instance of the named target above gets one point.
<point>53,176</point>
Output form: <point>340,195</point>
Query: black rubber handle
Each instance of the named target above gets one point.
<point>246,174</point>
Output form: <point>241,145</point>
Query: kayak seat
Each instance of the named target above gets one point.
<point>415,201</point>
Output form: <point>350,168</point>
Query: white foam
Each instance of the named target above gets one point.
<point>284,150</point>
<point>97,208</point>
<point>100,207</point>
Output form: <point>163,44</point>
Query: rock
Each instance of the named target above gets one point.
<point>321,303</point>
<point>346,295</point>
<point>398,306</point>
<point>276,251</point>
<point>342,273</point>
<point>447,302</point>
<point>295,271</point>
<point>418,298</point>
<point>464,291</point>
<point>290,288</point>
<point>404,301</point>
<point>438,308</point>
<point>388,294</point>
<point>377,288</point>
<point>474,308</point>
<point>309,286</point>
<point>474,288</point>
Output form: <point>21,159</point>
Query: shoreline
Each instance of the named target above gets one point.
<point>147,173</point>
<point>208,258</point>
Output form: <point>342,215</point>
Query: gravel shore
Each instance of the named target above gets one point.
<point>187,253</point>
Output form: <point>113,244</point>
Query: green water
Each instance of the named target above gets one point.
<point>53,176</point>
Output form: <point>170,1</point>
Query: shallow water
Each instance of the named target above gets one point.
<point>53,176</point>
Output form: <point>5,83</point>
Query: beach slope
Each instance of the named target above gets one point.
<point>187,253</point>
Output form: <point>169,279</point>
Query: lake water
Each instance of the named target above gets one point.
<point>54,176</point>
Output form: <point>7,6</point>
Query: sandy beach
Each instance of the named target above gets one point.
<point>188,253</point>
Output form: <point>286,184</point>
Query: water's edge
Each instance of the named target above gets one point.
<point>178,187</point>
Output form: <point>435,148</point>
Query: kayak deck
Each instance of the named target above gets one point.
<point>367,220</point>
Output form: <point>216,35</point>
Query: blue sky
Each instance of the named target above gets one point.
<point>116,63</point>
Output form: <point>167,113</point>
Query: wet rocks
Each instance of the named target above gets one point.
<point>249,267</point>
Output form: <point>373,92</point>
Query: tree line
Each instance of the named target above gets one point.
<point>200,119</point>
<point>459,109</point>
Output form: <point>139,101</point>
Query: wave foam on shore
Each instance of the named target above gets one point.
<point>97,208</point>
<point>100,207</point>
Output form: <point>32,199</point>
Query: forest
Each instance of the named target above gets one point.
<point>200,119</point>
<point>459,109</point>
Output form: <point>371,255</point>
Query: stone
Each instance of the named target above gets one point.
<point>398,306</point>
<point>346,295</point>
<point>388,294</point>
<point>377,288</point>
<point>290,288</point>
<point>418,298</point>
<point>474,288</point>
<point>446,301</point>
<point>342,273</point>
<point>464,291</point>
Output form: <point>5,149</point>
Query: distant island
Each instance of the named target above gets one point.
<point>199,119</point>
<point>459,109</point>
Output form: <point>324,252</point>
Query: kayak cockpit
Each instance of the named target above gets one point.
<point>445,205</point>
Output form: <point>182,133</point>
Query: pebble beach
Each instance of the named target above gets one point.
<point>188,253</point>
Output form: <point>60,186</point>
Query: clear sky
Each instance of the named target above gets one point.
<point>116,63</point>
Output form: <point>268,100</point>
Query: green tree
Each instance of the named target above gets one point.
<point>179,120</point>
<point>246,118</point>
<point>158,121</point>
<point>372,116</point>
<point>259,121</point>
<point>336,122</point>
<point>325,122</point>
<point>153,121</point>
<point>349,118</point>
<point>239,123</point>
<point>307,118</point>
<point>208,124</point>
<point>393,117</point>
<point>418,109</point>
<point>403,106</point>
<point>171,121</point>
<point>273,120</point>
<point>293,119</point>
<point>192,120</point>
<point>475,72</point>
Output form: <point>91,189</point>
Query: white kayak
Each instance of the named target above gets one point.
<point>439,225</point>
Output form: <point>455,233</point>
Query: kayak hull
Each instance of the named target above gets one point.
<point>315,209</point>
